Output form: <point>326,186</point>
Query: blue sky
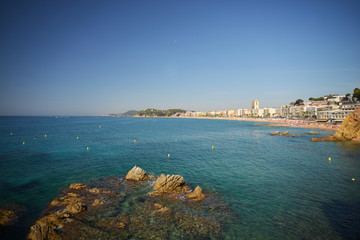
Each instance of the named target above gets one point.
<point>100,57</point>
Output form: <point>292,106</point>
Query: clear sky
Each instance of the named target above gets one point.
<point>98,57</point>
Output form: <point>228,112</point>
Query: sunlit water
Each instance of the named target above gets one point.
<point>280,187</point>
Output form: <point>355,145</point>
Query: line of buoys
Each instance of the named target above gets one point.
<point>23,143</point>
<point>175,139</point>
<point>168,155</point>
<point>212,147</point>
<point>11,134</point>
<point>353,179</point>
<point>87,148</point>
<point>45,135</point>
<point>329,159</point>
<point>99,126</point>
<point>77,137</point>
<point>134,140</point>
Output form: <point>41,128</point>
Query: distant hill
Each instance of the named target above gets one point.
<point>129,113</point>
<point>151,112</point>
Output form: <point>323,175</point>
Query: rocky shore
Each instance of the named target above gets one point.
<point>137,206</point>
<point>348,131</point>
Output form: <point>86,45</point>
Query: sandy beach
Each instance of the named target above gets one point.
<point>280,122</point>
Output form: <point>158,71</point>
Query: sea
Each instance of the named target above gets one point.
<point>279,187</point>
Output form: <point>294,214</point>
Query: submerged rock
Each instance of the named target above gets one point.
<point>7,217</point>
<point>161,208</point>
<point>114,208</point>
<point>97,202</point>
<point>348,131</point>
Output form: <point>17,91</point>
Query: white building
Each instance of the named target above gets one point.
<point>255,104</point>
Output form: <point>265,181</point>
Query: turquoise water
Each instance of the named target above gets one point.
<point>280,187</point>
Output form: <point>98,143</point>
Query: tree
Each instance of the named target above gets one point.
<point>299,102</point>
<point>356,93</point>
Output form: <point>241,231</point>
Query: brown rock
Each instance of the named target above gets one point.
<point>161,208</point>
<point>197,194</point>
<point>136,174</point>
<point>97,202</point>
<point>7,217</point>
<point>286,133</point>
<point>45,228</point>
<point>311,132</point>
<point>75,207</point>
<point>70,194</point>
<point>67,199</point>
<point>348,131</point>
<point>55,202</point>
<point>77,186</point>
<point>94,190</point>
<point>170,184</point>
<point>275,133</point>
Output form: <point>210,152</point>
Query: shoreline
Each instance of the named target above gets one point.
<point>278,122</point>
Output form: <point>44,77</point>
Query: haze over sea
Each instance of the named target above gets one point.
<point>280,187</point>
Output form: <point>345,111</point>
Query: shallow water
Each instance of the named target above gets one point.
<point>280,187</point>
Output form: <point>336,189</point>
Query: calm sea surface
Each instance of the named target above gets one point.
<point>280,187</point>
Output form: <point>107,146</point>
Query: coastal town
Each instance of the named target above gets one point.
<point>327,112</point>
<point>330,108</point>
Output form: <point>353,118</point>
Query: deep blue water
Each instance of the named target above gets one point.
<point>280,187</point>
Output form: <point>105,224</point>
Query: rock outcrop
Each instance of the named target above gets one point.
<point>77,186</point>
<point>170,184</point>
<point>65,209</point>
<point>136,174</point>
<point>196,195</point>
<point>311,132</point>
<point>75,207</point>
<point>114,208</point>
<point>287,134</point>
<point>348,131</point>
<point>46,227</point>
